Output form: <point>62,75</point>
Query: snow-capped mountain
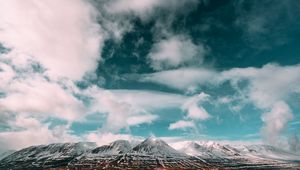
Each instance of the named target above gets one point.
<point>267,151</point>
<point>209,150</point>
<point>43,155</point>
<point>53,151</point>
<point>114,148</point>
<point>6,153</point>
<point>212,149</point>
<point>153,146</point>
<point>152,153</point>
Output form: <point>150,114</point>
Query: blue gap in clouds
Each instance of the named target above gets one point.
<point>227,124</point>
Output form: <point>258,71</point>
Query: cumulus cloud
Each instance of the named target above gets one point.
<point>275,121</point>
<point>126,108</point>
<point>106,138</point>
<point>61,35</point>
<point>193,109</point>
<point>182,124</point>
<point>29,131</point>
<point>41,98</point>
<point>51,44</point>
<point>268,88</point>
<point>175,51</point>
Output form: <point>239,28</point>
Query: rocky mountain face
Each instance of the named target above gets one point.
<point>153,146</point>
<point>114,148</point>
<point>6,153</point>
<point>152,153</point>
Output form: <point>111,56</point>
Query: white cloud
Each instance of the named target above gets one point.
<point>138,6</point>
<point>42,98</point>
<point>127,108</point>
<point>135,120</point>
<point>196,112</point>
<point>175,51</point>
<point>66,41</point>
<point>145,9</point>
<point>33,132</point>
<point>144,98</point>
<point>265,87</point>
<point>182,124</point>
<point>106,138</point>
<point>275,121</point>
<point>193,109</point>
<point>6,75</point>
<point>183,78</point>
<point>269,88</point>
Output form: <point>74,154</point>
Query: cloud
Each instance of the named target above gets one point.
<point>6,75</point>
<point>145,9</point>
<point>268,88</point>
<point>40,98</point>
<point>182,78</point>
<point>144,98</point>
<point>182,124</point>
<point>193,109</point>
<point>106,138</point>
<point>125,108</point>
<point>175,51</point>
<point>265,89</point>
<point>275,121</point>
<point>66,41</point>
<point>136,120</point>
<point>294,143</point>
<point>29,131</point>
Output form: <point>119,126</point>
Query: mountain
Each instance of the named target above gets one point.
<point>153,146</point>
<point>151,153</point>
<point>114,148</point>
<point>34,157</point>
<point>210,150</point>
<point>194,149</point>
<point>6,153</point>
<point>267,151</point>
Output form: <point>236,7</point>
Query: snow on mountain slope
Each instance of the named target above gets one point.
<point>114,148</point>
<point>6,153</point>
<point>49,152</point>
<point>153,146</point>
<point>213,150</point>
<point>209,150</point>
<point>220,150</point>
<point>152,153</point>
<point>267,151</point>
<point>194,149</point>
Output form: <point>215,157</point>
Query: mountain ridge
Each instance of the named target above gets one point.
<point>151,152</point>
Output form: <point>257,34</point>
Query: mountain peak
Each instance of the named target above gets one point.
<point>154,146</point>
<point>154,140</point>
<point>116,147</point>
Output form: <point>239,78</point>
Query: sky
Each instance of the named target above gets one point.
<point>102,70</point>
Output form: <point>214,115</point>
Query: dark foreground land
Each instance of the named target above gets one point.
<point>135,162</point>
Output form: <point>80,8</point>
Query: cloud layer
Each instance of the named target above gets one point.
<point>66,41</point>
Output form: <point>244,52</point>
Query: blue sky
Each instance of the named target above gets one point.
<point>103,70</point>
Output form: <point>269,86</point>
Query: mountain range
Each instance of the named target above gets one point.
<point>151,153</point>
